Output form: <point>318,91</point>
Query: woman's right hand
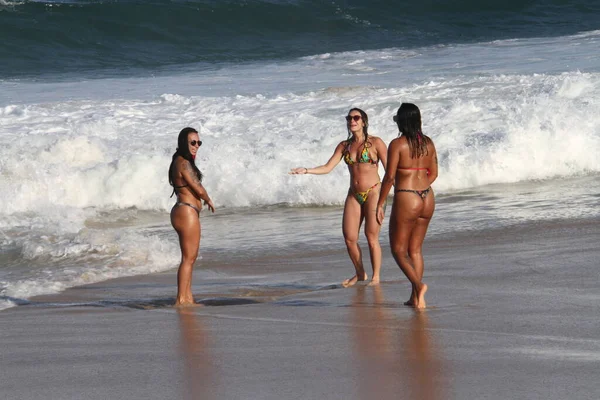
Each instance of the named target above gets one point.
<point>299,171</point>
<point>380,215</point>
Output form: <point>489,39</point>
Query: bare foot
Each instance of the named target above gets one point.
<point>352,281</point>
<point>421,297</point>
<point>374,281</point>
<point>411,302</point>
<point>186,303</point>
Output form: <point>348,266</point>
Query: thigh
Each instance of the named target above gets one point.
<point>405,213</point>
<point>353,217</point>
<point>369,210</point>
<point>187,225</point>
<point>418,235</point>
<point>422,223</point>
<point>428,205</point>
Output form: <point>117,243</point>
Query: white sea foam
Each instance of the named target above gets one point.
<point>10,3</point>
<point>4,304</point>
<point>496,129</point>
<point>51,260</point>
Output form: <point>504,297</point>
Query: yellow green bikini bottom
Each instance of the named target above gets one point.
<point>362,197</point>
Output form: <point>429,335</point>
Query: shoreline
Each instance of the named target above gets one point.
<point>163,284</point>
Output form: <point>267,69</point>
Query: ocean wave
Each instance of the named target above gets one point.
<point>115,154</point>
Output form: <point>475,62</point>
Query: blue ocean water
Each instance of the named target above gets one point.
<point>93,94</point>
<point>135,37</point>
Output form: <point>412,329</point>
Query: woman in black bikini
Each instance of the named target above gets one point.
<point>412,168</point>
<point>186,180</point>
<point>361,152</point>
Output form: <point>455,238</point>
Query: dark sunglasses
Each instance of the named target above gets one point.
<point>193,143</point>
<point>395,118</point>
<point>353,117</point>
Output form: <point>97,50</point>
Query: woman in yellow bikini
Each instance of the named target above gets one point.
<point>412,168</point>
<point>361,152</point>
<point>186,180</point>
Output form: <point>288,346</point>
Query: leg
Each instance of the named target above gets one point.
<point>406,210</point>
<point>372,229</point>
<point>187,225</point>
<point>351,226</point>
<point>415,245</point>
<point>415,253</point>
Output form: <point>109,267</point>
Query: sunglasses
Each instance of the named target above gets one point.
<point>193,143</point>
<point>353,117</point>
<point>395,118</point>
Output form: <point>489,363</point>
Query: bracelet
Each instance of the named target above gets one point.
<point>305,170</point>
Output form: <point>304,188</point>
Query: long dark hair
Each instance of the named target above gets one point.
<point>408,119</point>
<point>183,151</point>
<point>365,119</point>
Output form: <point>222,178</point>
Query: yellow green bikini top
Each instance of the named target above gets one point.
<point>363,158</point>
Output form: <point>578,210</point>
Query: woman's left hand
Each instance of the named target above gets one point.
<point>210,205</point>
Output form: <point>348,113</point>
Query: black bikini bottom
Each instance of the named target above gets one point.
<point>181,203</point>
<point>421,193</point>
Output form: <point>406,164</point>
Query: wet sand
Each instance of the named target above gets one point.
<point>512,314</point>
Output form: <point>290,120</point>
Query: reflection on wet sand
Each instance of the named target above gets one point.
<point>423,359</point>
<point>198,375</point>
<point>397,356</point>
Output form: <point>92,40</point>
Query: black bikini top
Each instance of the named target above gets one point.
<point>177,187</point>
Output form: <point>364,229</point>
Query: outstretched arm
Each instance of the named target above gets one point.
<point>393,157</point>
<point>190,177</point>
<point>322,169</point>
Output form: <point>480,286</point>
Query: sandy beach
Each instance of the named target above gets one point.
<point>512,314</point>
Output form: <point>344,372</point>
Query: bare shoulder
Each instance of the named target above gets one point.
<point>376,139</point>
<point>184,166</point>
<point>180,162</point>
<point>431,144</point>
<point>377,142</point>
<point>399,142</point>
